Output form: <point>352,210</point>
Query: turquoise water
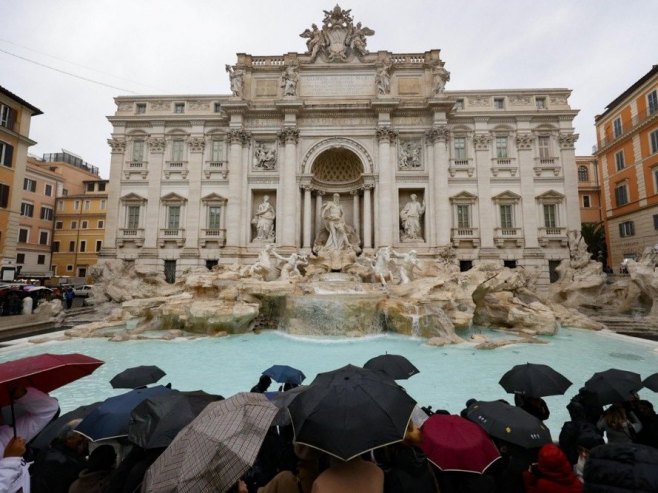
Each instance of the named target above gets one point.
<point>448,375</point>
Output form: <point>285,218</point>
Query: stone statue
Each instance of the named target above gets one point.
<point>440,76</point>
<point>410,155</point>
<point>334,222</point>
<point>381,264</point>
<point>410,216</point>
<point>357,39</point>
<point>383,79</point>
<point>236,76</point>
<point>578,253</point>
<point>266,267</point>
<point>315,41</point>
<point>264,157</point>
<point>290,270</point>
<point>406,267</point>
<point>264,220</point>
<point>289,80</point>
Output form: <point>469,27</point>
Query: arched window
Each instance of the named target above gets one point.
<point>583,173</point>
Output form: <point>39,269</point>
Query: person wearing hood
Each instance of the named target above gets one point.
<point>552,473</point>
<point>96,477</point>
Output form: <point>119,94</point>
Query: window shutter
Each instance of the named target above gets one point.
<point>9,154</point>
<point>621,229</point>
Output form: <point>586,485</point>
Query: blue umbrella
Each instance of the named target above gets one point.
<point>112,418</point>
<point>285,374</point>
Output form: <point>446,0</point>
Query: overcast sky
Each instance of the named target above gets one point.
<point>597,48</point>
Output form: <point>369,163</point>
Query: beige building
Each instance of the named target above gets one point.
<point>200,179</point>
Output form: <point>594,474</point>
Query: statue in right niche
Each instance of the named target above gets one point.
<point>410,217</point>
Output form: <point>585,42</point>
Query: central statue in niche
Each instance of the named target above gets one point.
<point>337,243</point>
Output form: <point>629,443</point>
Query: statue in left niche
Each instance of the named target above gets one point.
<point>264,220</point>
<point>236,76</point>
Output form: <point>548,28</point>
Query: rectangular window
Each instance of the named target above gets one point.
<point>499,103</point>
<point>173,217</point>
<point>46,213</point>
<point>133,217</point>
<point>460,148</point>
<point>6,154</point>
<point>100,224</point>
<point>4,196</point>
<point>71,246</point>
<point>541,103</point>
<point>65,192</point>
<point>463,216</point>
<point>216,151</point>
<point>652,99</point>
<point>140,108</point>
<point>76,205</point>
<point>41,259</point>
<point>48,190</point>
<point>653,137</point>
<point>23,235</point>
<point>60,205</point>
<point>87,205</point>
<point>20,258</point>
<point>27,209</point>
<point>501,147</point>
<point>29,185</point>
<point>84,225</point>
<point>90,187</point>
<point>218,108</point>
<point>69,268</point>
<point>43,237</point>
<point>179,107</point>
<point>621,194</point>
<point>138,150</point>
<point>543,143</point>
<point>101,186</point>
<point>103,204</point>
<point>619,160</point>
<point>55,246</point>
<point>506,218</point>
<point>177,150</point>
<point>99,245</point>
<point>83,245</point>
<point>59,225</point>
<point>586,201</point>
<point>655,221</point>
<point>7,116</point>
<point>74,224</point>
<point>214,215</point>
<point>616,127</point>
<point>550,215</point>
<point>459,104</point>
<point>626,229</point>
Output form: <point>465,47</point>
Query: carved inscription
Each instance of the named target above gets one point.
<point>337,85</point>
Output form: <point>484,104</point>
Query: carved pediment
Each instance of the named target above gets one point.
<point>213,197</point>
<point>551,196</point>
<point>507,196</point>
<point>132,197</point>
<point>173,198</point>
<point>464,197</point>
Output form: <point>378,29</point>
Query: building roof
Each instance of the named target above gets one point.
<point>7,92</point>
<point>627,92</point>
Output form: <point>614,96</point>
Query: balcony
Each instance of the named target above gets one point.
<point>171,234</point>
<point>640,120</point>
<point>549,165</point>
<point>461,167</point>
<point>503,235</point>
<point>135,167</point>
<point>212,235</point>
<point>134,235</point>
<point>546,235</point>
<point>176,168</point>
<point>215,169</point>
<point>459,235</point>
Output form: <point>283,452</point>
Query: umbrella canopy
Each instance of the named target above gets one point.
<point>156,421</point>
<point>349,411</point>
<point>651,382</point>
<point>509,423</point>
<point>394,365</point>
<point>112,418</point>
<point>285,374</point>
<point>453,443</point>
<point>282,400</point>
<point>214,450</point>
<point>52,429</point>
<point>614,385</point>
<point>45,372</point>
<point>139,376</point>
<point>534,380</point>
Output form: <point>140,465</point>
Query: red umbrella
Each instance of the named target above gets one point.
<point>44,372</point>
<point>453,443</point>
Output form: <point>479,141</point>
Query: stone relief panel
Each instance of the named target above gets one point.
<point>520,100</point>
<point>264,159</point>
<point>196,105</point>
<point>410,155</point>
<point>479,101</point>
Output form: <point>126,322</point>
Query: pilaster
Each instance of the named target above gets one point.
<point>385,220</point>
<point>286,200</point>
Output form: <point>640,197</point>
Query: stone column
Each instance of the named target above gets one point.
<point>385,220</point>
<point>356,216</point>
<point>152,224</point>
<point>112,225</point>
<point>194,220</point>
<point>367,218</point>
<point>236,138</point>
<point>486,209</point>
<point>525,145</point>
<point>307,217</point>
<point>287,198</point>
<point>318,213</point>
<point>438,135</point>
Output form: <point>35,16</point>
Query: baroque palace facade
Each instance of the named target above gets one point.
<point>198,180</point>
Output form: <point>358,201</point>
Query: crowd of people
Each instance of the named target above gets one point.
<point>613,449</point>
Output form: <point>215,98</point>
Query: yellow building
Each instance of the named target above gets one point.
<point>79,229</point>
<point>15,118</point>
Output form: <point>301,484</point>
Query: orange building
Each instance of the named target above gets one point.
<point>589,190</point>
<point>627,134</point>
<point>15,119</point>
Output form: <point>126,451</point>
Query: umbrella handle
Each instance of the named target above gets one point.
<point>13,417</point>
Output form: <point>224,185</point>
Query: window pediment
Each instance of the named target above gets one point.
<point>507,197</point>
<point>464,198</point>
<point>550,197</point>
<point>173,199</point>
<point>213,198</point>
<point>133,198</point>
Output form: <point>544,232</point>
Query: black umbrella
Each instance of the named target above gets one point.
<point>534,380</point>
<point>509,423</point>
<point>52,429</point>
<point>136,377</point>
<point>349,411</point>
<point>156,421</point>
<point>614,385</point>
<point>394,365</point>
<point>651,382</point>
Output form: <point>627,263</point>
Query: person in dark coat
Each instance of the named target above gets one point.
<point>263,384</point>
<point>552,473</point>
<point>408,471</point>
<point>96,477</point>
<point>68,297</point>
<point>508,470</point>
<point>648,435</point>
<point>590,403</point>
<point>532,405</point>
<point>622,468</point>
<point>129,475</point>
<point>573,430</point>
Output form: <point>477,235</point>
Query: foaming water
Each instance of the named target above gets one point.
<point>448,376</point>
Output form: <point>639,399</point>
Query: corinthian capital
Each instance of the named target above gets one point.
<point>238,136</point>
<point>481,141</point>
<point>568,141</point>
<point>196,144</point>
<point>117,145</point>
<point>386,134</point>
<point>438,134</point>
<point>524,141</point>
<point>156,144</point>
<point>289,135</point>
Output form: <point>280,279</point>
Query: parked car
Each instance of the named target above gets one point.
<point>82,291</point>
